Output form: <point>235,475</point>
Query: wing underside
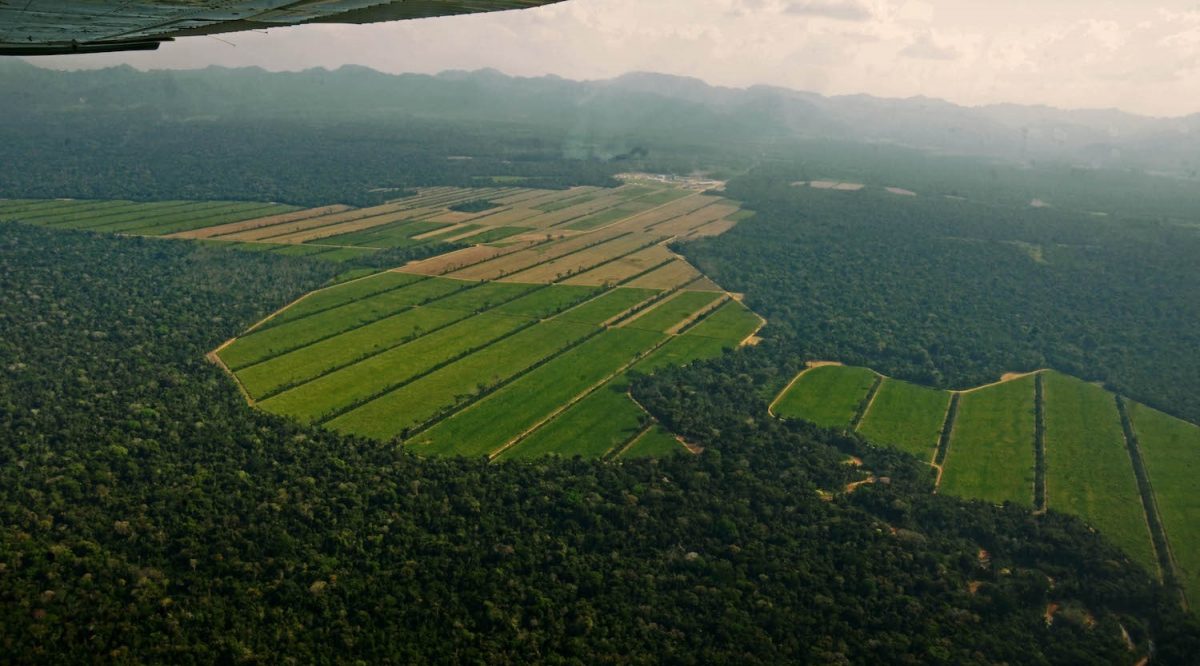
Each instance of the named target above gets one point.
<point>48,27</point>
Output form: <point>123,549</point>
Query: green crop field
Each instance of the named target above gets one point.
<point>1088,469</point>
<point>591,428</point>
<point>487,425</point>
<point>392,413</point>
<point>991,455</point>
<point>605,307</point>
<point>494,234</point>
<point>1171,451</point>
<point>315,359</point>
<point>655,443</point>
<point>732,322</point>
<point>346,386</point>
<point>907,416</point>
<point>343,294</point>
<point>276,340</point>
<point>485,296</point>
<point>548,301</point>
<point>673,310</point>
<point>828,395</point>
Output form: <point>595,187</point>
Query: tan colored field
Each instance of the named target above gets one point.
<point>662,214</point>
<point>517,261</point>
<point>622,269</point>
<point>579,261</point>
<point>674,274</point>
<point>611,199</point>
<point>712,229</point>
<point>509,216</point>
<point>245,225</point>
<point>452,261</point>
<point>521,195</point>
<point>447,232</point>
<point>306,235</point>
<point>291,227</point>
<point>457,217</point>
<point>849,187</point>
<point>682,225</point>
<point>702,284</point>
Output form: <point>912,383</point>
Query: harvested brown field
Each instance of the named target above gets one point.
<point>456,260</point>
<point>246,225</point>
<point>579,261</point>
<point>664,213</point>
<point>301,225</point>
<point>326,231</point>
<point>516,261</point>
<point>684,224</point>
<point>674,274</point>
<point>622,269</point>
<point>509,216</point>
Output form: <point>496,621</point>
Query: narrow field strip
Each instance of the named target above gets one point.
<point>672,274</point>
<point>261,232</point>
<point>131,221</point>
<point>654,443</point>
<point>514,262</point>
<point>114,218</point>
<point>57,216</point>
<point>603,309</point>
<point>442,392</point>
<point>338,295</point>
<point>729,319</point>
<point>206,218</point>
<point>283,338</point>
<point>1170,449</point>
<point>583,260</point>
<point>623,268</point>
<point>991,447</point>
<point>1088,470</point>
<point>906,416</point>
<point>271,220</point>
<point>488,424</point>
<point>334,393</point>
<point>673,311</point>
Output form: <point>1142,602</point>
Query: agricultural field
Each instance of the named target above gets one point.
<point>991,454</point>
<point>1088,469</point>
<point>828,395</point>
<point>907,416</point>
<point>1170,449</point>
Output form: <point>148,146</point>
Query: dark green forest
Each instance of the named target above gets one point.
<point>149,515</point>
<point>956,292</point>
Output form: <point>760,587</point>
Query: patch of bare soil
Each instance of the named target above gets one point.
<point>901,191</point>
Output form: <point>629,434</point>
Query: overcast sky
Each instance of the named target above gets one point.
<point>1138,56</point>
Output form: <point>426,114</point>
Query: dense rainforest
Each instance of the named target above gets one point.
<point>148,515</point>
<point>954,292</point>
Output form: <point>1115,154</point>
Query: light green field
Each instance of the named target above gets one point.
<point>266,343</point>
<point>343,388</point>
<point>673,310</point>
<point>828,396</point>
<point>907,416</point>
<point>599,423</point>
<point>605,307</point>
<point>1171,451</point>
<point>343,294</point>
<point>732,322</point>
<point>312,360</point>
<point>548,301</point>
<point>70,211</point>
<point>485,296</point>
<point>991,455</point>
<point>658,442</point>
<point>487,425</point>
<point>1088,469</point>
<point>143,214</point>
<point>171,224</point>
<point>392,413</point>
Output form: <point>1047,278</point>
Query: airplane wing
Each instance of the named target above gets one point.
<point>54,27</point>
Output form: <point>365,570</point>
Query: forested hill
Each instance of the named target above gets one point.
<point>668,108</point>
<point>149,515</point>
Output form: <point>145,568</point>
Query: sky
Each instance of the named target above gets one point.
<point>1141,57</point>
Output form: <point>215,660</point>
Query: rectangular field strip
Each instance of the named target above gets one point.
<point>829,396</point>
<point>991,454</point>
<point>1088,469</point>
<point>907,416</point>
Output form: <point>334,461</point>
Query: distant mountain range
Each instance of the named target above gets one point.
<point>635,106</point>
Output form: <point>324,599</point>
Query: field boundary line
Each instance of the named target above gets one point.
<point>1008,377</point>
<point>943,447</point>
<point>705,309</point>
<point>213,357</point>
<point>614,453</point>
<point>811,365</point>
<point>643,212</point>
<point>578,398</point>
<point>865,404</point>
<point>1041,492</point>
<point>376,352</point>
<point>1168,568</point>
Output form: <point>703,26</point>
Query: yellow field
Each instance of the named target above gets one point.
<point>674,274</point>
<point>453,261</point>
<point>579,261</point>
<point>624,268</point>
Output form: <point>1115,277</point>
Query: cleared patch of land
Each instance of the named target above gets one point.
<point>907,416</point>
<point>828,396</point>
<point>991,454</point>
<point>1088,469</point>
<point>1170,449</point>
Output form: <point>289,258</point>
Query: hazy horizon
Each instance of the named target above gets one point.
<point>1075,55</point>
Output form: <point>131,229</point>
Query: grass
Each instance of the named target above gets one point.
<point>346,386</point>
<point>674,310</point>
<point>548,301</point>
<point>731,323</point>
<point>828,396</point>
<point>991,455</point>
<point>1088,470</point>
<point>487,425</point>
<point>268,342</point>
<point>606,306</point>
<point>907,416</point>
<point>320,357</point>
<point>391,414</point>
<point>1171,451</point>
<point>657,442</point>
<point>599,423</point>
